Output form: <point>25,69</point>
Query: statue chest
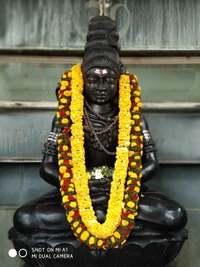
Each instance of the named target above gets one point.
<point>100,142</point>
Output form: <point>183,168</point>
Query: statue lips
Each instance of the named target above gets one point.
<point>100,95</point>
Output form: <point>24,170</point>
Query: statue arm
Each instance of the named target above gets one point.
<point>49,167</point>
<point>149,159</point>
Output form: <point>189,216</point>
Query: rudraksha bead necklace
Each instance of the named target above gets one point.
<point>97,114</point>
<point>96,133</point>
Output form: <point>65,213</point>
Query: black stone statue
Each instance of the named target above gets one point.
<point>159,232</point>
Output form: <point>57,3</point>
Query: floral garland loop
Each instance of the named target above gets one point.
<point>72,171</point>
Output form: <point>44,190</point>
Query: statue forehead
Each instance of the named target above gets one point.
<point>100,71</point>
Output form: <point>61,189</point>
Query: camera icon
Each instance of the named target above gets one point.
<point>22,253</point>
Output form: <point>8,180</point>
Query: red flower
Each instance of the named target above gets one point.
<point>130,226</point>
<point>125,232</point>
<point>66,181</point>
<point>66,206</point>
<point>76,214</point>
<point>134,182</point>
<point>66,161</point>
<point>66,130</point>
<point>125,214</point>
<point>134,197</point>
<point>65,187</point>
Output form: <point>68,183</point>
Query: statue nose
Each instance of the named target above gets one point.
<point>101,85</point>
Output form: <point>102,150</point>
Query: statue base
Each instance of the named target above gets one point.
<point>142,249</point>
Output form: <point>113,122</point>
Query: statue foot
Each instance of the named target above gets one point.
<point>137,227</point>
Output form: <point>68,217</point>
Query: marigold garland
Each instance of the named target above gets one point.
<point>123,202</point>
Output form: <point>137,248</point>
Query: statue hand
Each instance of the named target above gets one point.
<point>99,191</point>
<point>99,185</point>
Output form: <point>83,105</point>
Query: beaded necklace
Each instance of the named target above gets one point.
<point>96,133</point>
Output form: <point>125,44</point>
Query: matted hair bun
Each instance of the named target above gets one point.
<point>102,47</point>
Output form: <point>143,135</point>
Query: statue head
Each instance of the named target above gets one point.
<point>101,63</point>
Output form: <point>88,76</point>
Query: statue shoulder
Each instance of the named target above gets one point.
<point>145,125</point>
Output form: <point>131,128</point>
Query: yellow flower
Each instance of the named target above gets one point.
<point>136,116</point>
<point>131,216</point>
<point>124,241</point>
<point>132,174</point>
<point>79,230</point>
<point>69,74</point>
<point>138,183</point>
<point>137,157</point>
<point>135,109</point>
<point>62,169</point>
<point>73,204</point>
<point>65,148</point>
<point>67,93</point>
<point>62,87</point>
<point>137,100</point>
<point>139,104</point>
<point>65,121</point>
<point>64,83</point>
<point>125,223</point>
<point>65,199</point>
<point>137,189</point>
<point>131,153</point>
<point>130,204</point>
<point>69,218</point>
<point>63,100</point>
<point>113,239</point>
<point>61,106</point>
<point>137,128</point>
<point>91,240</point>
<point>99,243</point>
<point>137,93</point>
<point>58,114</point>
<point>117,235</point>
<point>66,175</point>
<point>84,235</point>
<point>129,182</point>
<point>70,189</point>
<point>64,76</point>
<point>71,213</point>
<point>133,144</point>
<point>75,224</point>
<point>60,162</point>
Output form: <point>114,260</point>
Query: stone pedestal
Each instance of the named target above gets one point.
<point>143,249</point>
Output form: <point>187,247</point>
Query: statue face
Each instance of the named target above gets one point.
<point>101,85</point>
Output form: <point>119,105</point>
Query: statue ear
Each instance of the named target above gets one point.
<point>122,69</point>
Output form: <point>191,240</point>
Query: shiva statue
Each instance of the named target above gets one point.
<point>99,156</point>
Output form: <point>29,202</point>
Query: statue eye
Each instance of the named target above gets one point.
<point>92,79</point>
<point>110,79</point>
